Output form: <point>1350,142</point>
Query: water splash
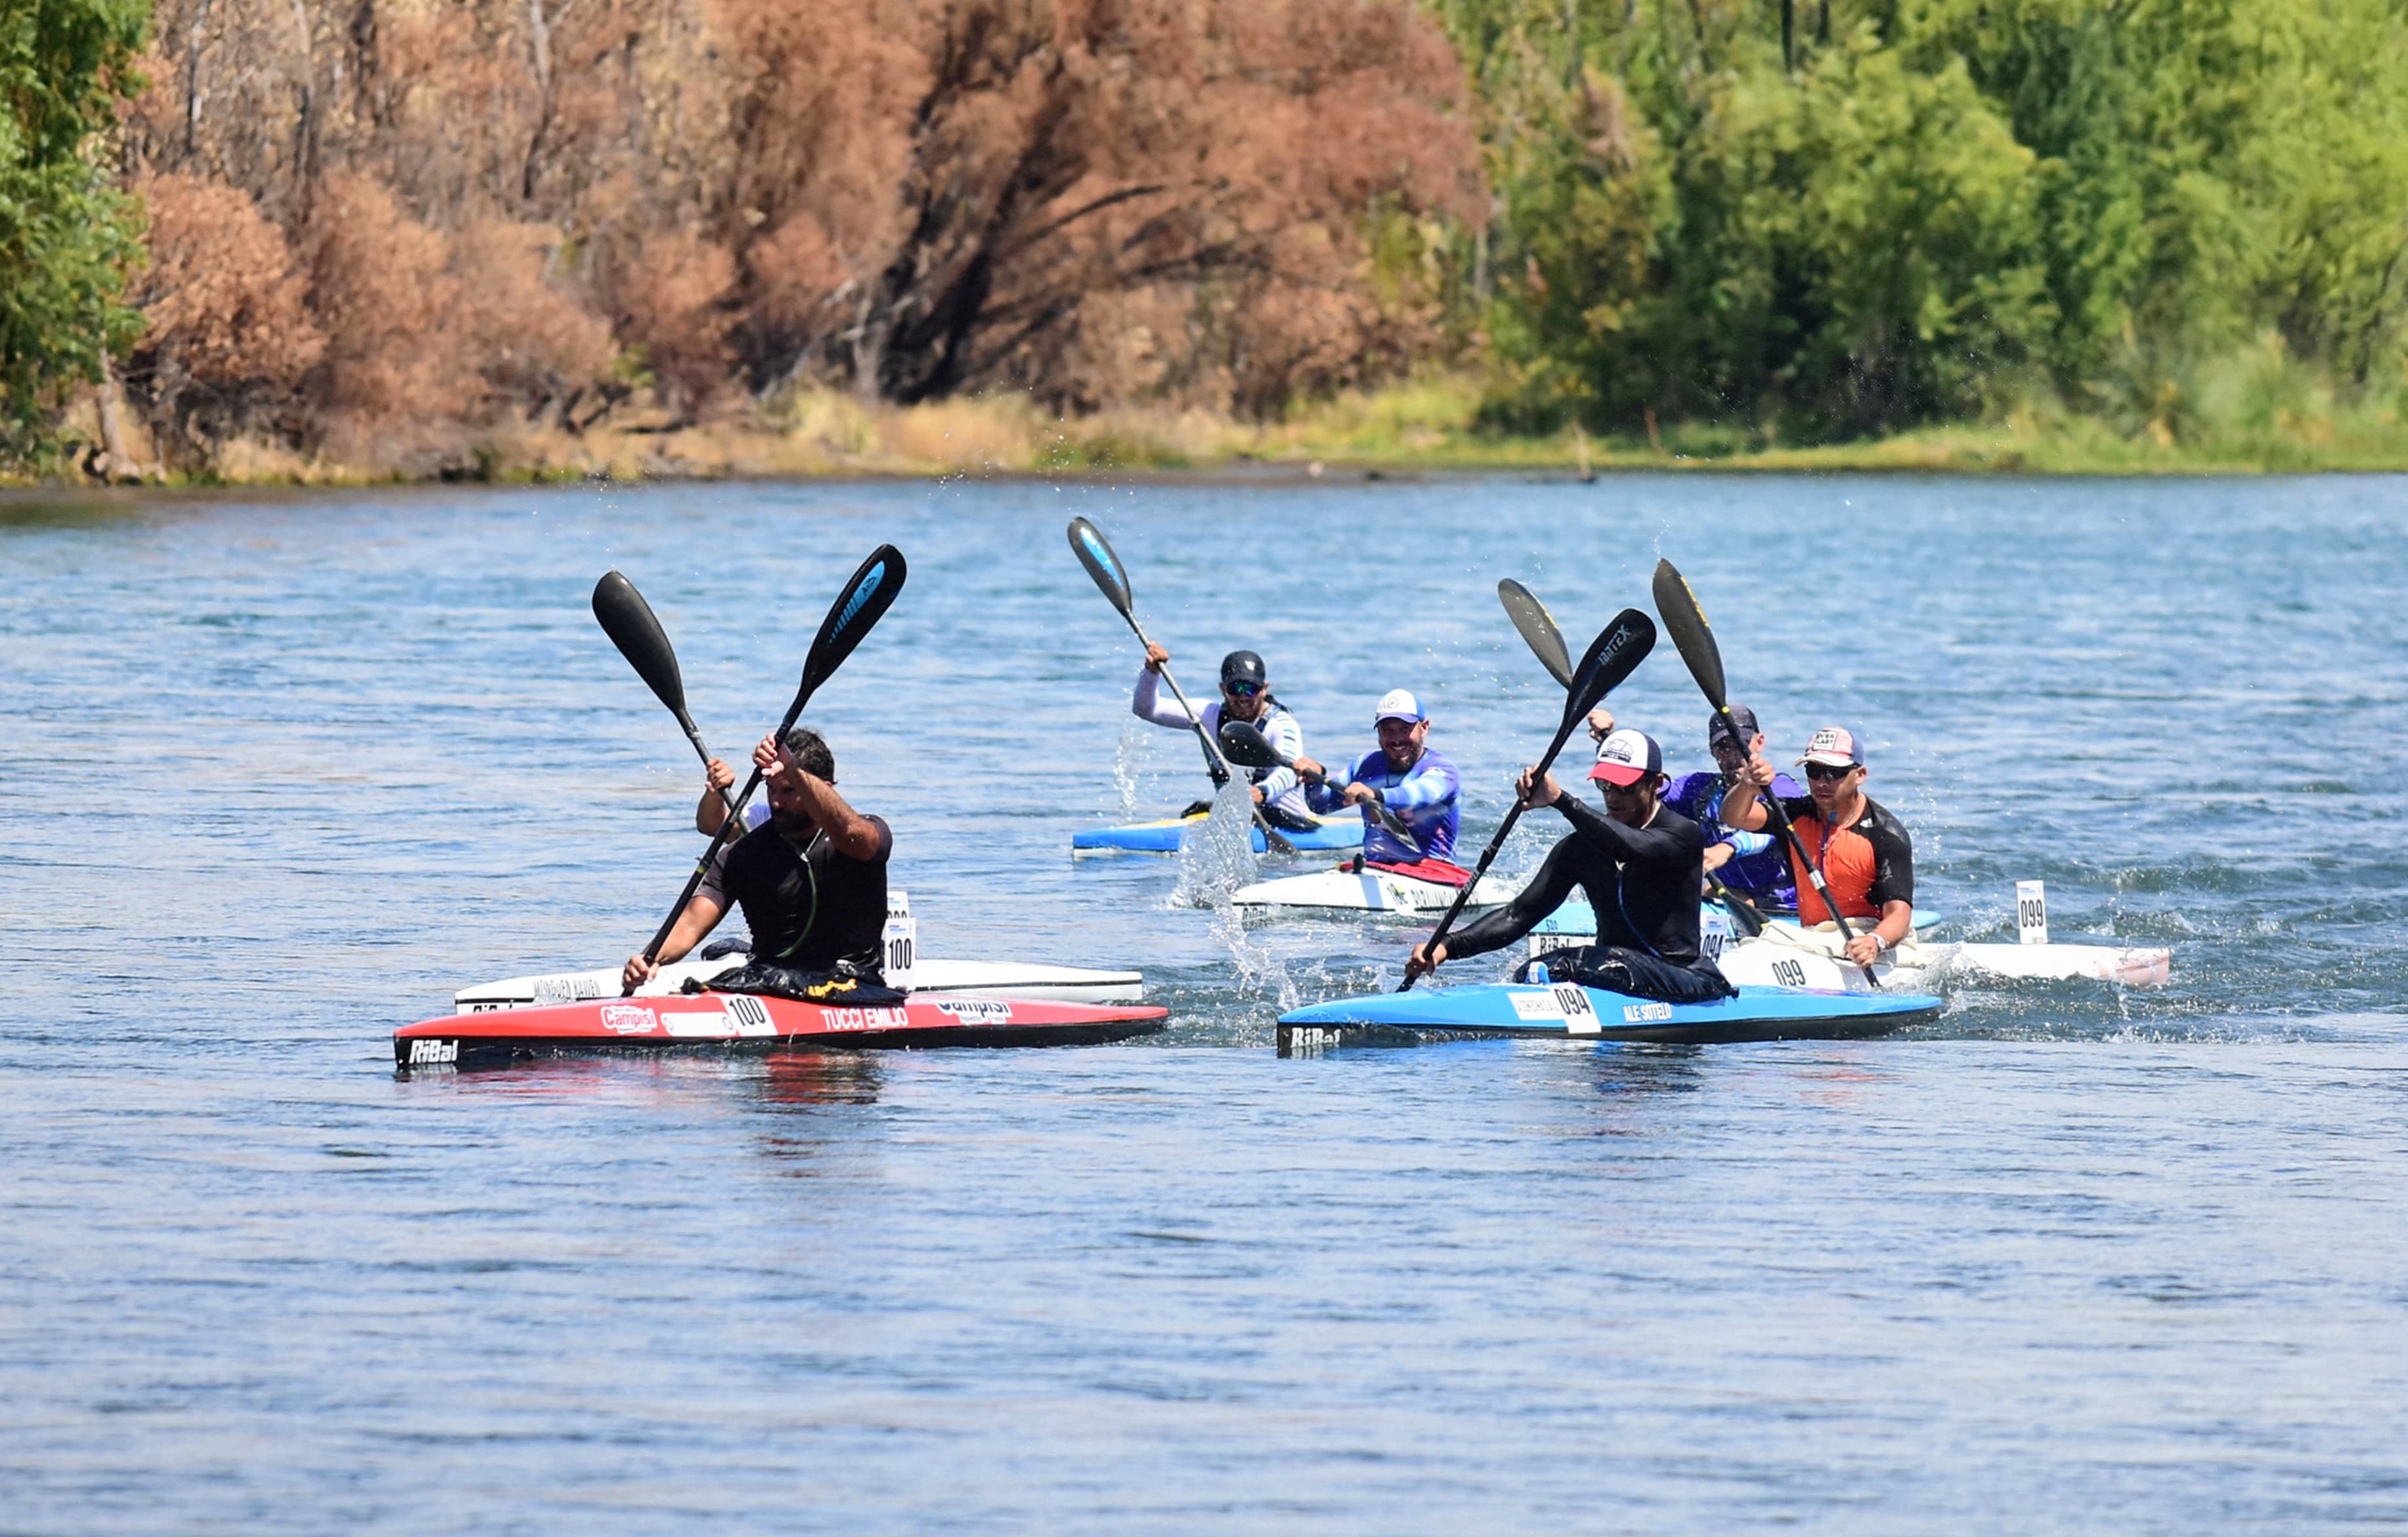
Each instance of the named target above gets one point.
<point>1218,854</point>
<point>1136,747</point>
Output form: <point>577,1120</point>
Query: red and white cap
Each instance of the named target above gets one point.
<point>1835,747</point>
<point>1627,756</point>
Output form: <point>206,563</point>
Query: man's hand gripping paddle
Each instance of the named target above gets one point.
<point>1243,744</point>
<point>1546,642</point>
<point>864,601</point>
<point>1695,639</point>
<point>1618,648</point>
<point>1094,553</point>
<point>628,620</point>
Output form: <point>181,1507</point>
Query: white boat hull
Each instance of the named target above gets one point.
<point>1368,891</point>
<point>937,978</point>
<point>1772,962</point>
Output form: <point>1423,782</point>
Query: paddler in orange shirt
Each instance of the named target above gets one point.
<point>1861,849</point>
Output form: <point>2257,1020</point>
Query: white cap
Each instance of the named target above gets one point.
<point>1627,756</point>
<point>1398,704</point>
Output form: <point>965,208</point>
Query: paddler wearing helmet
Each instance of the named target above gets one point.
<point>811,882</point>
<point>1245,696</point>
<point>1862,850</point>
<point>1405,774</point>
<point>1641,866</point>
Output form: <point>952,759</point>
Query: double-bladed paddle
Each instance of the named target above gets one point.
<point>1244,744</point>
<point>1546,642</point>
<point>1094,553</point>
<point>1694,640</point>
<point>630,623</point>
<point>1619,648</point>
<point>864,601</point>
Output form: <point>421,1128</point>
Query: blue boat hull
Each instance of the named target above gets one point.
<point>1566,1011</point>
<point>1334,834</point>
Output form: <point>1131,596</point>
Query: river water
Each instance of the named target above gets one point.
<point>280,774</point>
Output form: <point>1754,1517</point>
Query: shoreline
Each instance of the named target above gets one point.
<point>1405,432</point>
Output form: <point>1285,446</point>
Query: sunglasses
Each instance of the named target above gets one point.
<point>1241,691</point>
<point>1825,770</point>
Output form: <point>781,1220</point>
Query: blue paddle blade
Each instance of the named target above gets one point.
<point>864,601</point>
<point>1088,543</point>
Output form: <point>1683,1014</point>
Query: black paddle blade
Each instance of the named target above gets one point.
<point>1094,553</point>
<point>1243,744</point>
<point>629,621</point>
<point>1691,636</point>
<point>864,601</point>
<point>1612,656</point>
<point>1538,631</point>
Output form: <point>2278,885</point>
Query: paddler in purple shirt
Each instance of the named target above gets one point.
<point>1749,863</point>
<point>1405,776</point>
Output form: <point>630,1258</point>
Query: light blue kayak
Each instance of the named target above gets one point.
<point>1334,834</point>
<point>1565,1011</point>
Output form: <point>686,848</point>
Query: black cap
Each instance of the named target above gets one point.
<point>1716,731</point>
<point>1242,667</point>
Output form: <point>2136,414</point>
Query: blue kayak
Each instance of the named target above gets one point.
<point>1565,1011</point>
<point>1334,835</point>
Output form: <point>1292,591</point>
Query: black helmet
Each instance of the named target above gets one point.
<point>1242,667</point>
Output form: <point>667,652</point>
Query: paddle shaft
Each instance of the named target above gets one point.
<point>1797,851</point>
<point>693,734</point>
<point>1386,818</point>
<point>718,840</point>
<point>1743,913</point>
<point>1496,841</point>
<point>1214,764</point>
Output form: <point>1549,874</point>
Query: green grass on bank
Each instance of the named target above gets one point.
<point>2260,415</point>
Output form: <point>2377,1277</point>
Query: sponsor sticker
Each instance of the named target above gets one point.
<point>978,1010</point>
<point>427,1053</point>
<point>629,1019</point>
<point>1645,1013</point>
<point>866,1019</point>
<point>696,1024</point>
<point>1536,1006</point>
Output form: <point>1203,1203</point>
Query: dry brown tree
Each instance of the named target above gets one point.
<point>520,206</point>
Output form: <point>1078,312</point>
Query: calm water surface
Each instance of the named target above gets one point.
<point>278,776</point>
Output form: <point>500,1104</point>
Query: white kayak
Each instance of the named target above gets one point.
<point>1776,959</point>
<point>937,978</point>
<point>1370,889</point>
<point>905,971</point>
<point>1787,955</point>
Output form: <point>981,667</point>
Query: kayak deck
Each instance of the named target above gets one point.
<point>1568,1012</point>
<point>934,978</point>
<point>744,1022</point>
<point>1331,835</point>
<point>1367,890</point>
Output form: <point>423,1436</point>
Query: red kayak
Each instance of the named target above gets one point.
<point>744,1022</point>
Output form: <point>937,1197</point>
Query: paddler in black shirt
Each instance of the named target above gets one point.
<point>1642,866</point>
<point>811,880</point>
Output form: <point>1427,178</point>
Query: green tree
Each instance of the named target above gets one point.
<point>67,236</point>
<point>1937,207</point>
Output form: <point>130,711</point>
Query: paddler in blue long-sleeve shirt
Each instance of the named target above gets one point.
<point>1404,774</point>
<point>1245,696</point>
<point>1751,864</point>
